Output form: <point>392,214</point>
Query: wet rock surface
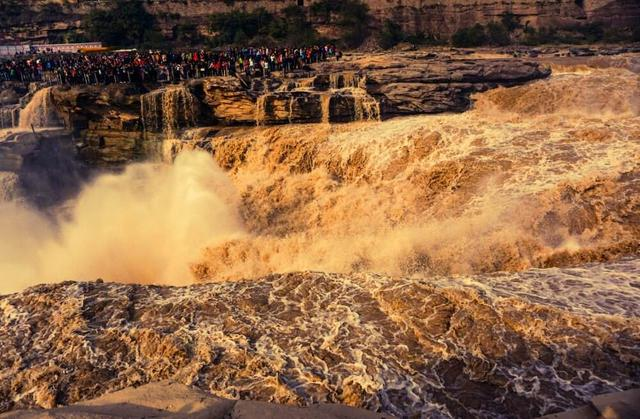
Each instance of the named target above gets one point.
<point>397,346</point>
<point>170,399</point>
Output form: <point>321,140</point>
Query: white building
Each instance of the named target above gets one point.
<point>11,50</point>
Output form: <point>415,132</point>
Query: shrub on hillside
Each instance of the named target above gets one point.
<point>50,12</point>
<point>579,34</point>
<point>298,29</point>
<point>533,36</point>
<point>14,12</point>
<point>354,21</point>
<point>351,16</point>
<point>510,21</point>
<point>126,23</point>
<point>238,26</point>
<point>474,36</point>
<point>259,26</point>
<point>187,34</point>
<point>391,34</point>
<point>497,34</point>
<point>592,32</point>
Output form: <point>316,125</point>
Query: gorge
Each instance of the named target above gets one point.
<point>441,233</point>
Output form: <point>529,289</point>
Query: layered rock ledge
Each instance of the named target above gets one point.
<point>383,87</point>
<point>120,123</point>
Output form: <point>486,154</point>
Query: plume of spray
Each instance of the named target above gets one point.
<point>144,225</point>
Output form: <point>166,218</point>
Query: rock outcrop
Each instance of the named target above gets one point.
<point>118,123</point>
<point>169,399</point>
<point>330,92</point>
<point>105,121</point>
<point>427,83</point>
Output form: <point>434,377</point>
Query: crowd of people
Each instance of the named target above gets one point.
<point>157,66</point>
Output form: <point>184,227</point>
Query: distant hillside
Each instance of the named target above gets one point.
<point>435,20</point>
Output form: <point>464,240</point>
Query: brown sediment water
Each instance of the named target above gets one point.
<point>325,101</point>
<point>535,176</point>
<point>408,347</point>
<point>40,112</point>
<point>473,265</point>
<point>169,110</point>
<point>540,175</point>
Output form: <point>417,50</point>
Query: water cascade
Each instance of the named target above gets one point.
<point>309,99</point>
<point>365,106</point>
<point>351,79</point>
<point>348,79</point>
<point>325,105</point>
<point>304,84</point>
<point>260,110</point>
<point>334,80</point>
<point>40,112</point>
<point>169,110</point>
<point>351,84</point>
<point>292,102</point>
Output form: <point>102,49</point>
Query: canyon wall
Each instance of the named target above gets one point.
<point>39,20</point>
<point>444,17</point>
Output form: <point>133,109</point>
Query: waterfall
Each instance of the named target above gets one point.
<point>169,110</point>
<point>349,79</point>
<point>334,80</point>
<point>310,99</point>
<point>260,114</point>
<point>351,84</point>
<point>304,84</point>
<point>40,112</point>
<point>150,108</point>
<point>325,106</point>
<point>365,106</point>
<point>292,101</point>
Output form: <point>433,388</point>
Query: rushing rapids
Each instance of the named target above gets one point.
<point>402,346</point>
<point>482,264</point>
<point>541,175</point>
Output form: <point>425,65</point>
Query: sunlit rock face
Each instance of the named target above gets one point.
<point>401,346</point>
<point>339,92</point>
